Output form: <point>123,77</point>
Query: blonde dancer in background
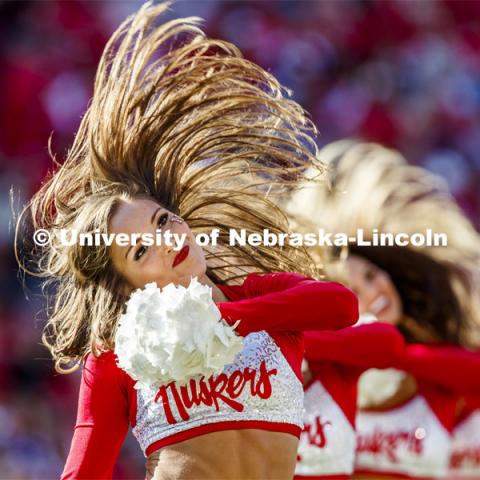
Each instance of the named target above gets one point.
<point>406,423</point>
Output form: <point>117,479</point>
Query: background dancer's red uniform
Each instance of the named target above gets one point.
<point>336,359</point>
<point>465,459</point>
<point>413,440</point>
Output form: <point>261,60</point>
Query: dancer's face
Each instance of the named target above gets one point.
<point>375,290</point>
<point>141,263</point>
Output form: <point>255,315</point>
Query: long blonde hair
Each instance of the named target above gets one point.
<point>187,121</point>
<point>372,187</point>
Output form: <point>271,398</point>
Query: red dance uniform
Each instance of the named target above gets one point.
<point>465,458</point>
<point>414,440</point>
<point>261,389</point>
<point>336,359</point>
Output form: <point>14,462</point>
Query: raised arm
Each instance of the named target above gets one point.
<point>448,366</point>
<point>373,345</point>
<point>102,421</point>
<point>287,301</point>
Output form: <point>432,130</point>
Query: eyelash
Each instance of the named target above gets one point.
<point>162,220</point>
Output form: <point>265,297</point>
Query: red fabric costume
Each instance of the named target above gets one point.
<point>336,359</point>
<point>414,440</point>
<point>261,390</point>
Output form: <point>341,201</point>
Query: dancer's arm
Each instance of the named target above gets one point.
<point>288,301</point>
<point>259,284</point>
<point>448,366</point>
<point>102,421</point>
<point>373,345</point>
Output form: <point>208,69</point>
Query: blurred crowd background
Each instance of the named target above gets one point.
<point>403,73</point>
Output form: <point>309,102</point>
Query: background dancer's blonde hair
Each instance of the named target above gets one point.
<point>183,119</point>
<point>373,187</point>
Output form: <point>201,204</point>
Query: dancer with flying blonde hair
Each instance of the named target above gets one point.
<point>183,134</point>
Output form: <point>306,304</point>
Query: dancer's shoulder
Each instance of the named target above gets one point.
<point>103,365</point>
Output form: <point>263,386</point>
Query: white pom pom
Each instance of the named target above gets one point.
<point>176,333</point>
<point>375,386</point>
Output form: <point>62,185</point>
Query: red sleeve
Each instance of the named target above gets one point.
<point>256,284</point>
<point>449,366</point>
<point>373,345</point>
<point>102,421</point>
<point>287,301</point>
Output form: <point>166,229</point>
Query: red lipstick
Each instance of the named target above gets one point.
<point>181,256</point>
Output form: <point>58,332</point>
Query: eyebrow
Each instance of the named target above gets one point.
<point>154,213</point>
<point>151,221</point>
